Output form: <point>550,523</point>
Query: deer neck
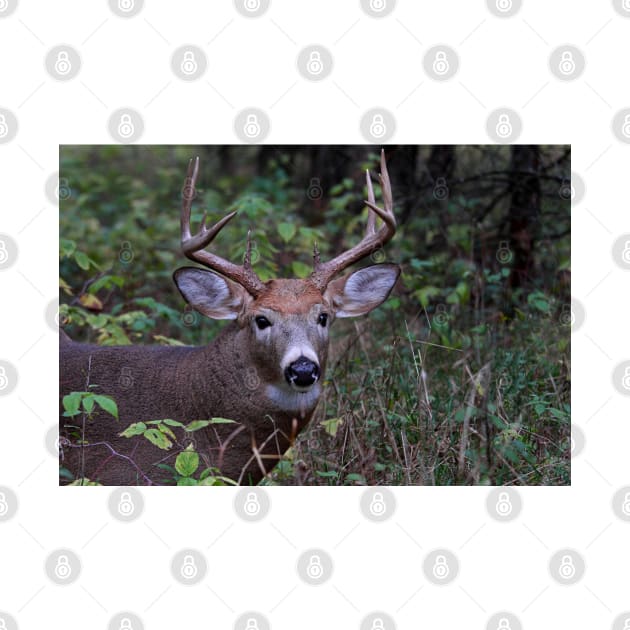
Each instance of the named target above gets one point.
<point>229,383</point>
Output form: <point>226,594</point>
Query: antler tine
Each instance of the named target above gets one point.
<point>193,246</point>
<point>188,194</point>
<point>323,273</point>
<point>371,223</point>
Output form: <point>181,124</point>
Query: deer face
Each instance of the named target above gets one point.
<point>284,323</point>
<point>286,326</point>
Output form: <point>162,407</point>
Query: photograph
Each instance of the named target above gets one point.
<point>323,315</point>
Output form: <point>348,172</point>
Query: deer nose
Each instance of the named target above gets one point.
<point>303,372</point>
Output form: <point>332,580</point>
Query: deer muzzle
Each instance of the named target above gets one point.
<point>302,373</point>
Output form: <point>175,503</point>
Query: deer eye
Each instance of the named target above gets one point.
<point>262,322</point>
<point>322,320</point>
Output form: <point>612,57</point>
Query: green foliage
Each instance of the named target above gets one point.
<point>160,432</point>
<point>78,403</point>
<point>187,465</point>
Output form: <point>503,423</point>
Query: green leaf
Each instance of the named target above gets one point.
<point>187,463</point>
<point>187,481</point>
<point>356,477</point>
<point>167,431</point>
<point>84,482</point>
<point>137,428</point>
<point>425,294</point>
<point>331,474</point>
<point>82,260</point>
<point>210,481</point>
<point>172,423</point>
<point>66,247</point>
<point>539,301</point>
<point>286,231</point>
<point>106,282</point>
<point>221,421</point>
<point>108,404</point>
<point>71,403</point>
<point>155,436</point>
<point>88,403</point>
<point>195,425</point>
<point>332,425</point>
<point>300,270</point>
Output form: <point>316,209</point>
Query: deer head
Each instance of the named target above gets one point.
<point>284,323</point>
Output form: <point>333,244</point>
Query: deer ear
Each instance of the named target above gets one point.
<point>210,294</point>
<point>363,290</point>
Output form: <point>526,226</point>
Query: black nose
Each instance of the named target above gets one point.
<point>302,372</point>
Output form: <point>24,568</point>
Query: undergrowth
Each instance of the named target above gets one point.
<point>400,407</point>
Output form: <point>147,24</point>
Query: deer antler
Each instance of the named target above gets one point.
<point>193,246</point>
<point>323,273</point>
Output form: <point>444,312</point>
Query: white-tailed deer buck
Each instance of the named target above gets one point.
<point>264,370</point>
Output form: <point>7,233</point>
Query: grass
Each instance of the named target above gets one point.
<point>402,407</point>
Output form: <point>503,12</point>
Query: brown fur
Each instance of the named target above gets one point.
<point>239,376</point>
<point>185,384</point>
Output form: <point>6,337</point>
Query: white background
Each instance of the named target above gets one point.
<point>252,62</point>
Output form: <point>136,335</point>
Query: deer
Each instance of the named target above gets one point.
<point>263,372</point>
